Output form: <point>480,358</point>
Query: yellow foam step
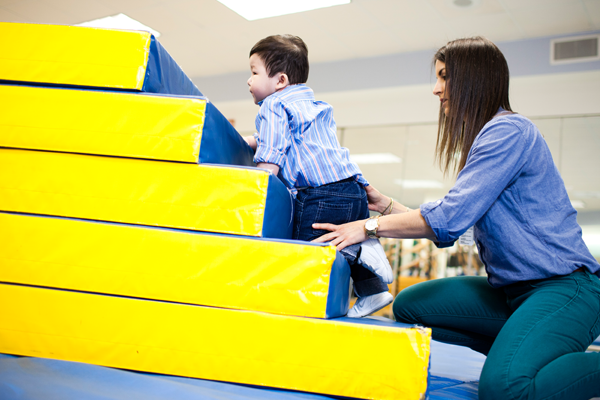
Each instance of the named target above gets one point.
<point>95,57</point>
<point>334,357</point>
<point>240,201</point>
<point>185,129</point>
<point>283,277</point>
<point>74,55</point>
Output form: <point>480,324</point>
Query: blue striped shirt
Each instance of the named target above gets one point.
<point>298,134</point>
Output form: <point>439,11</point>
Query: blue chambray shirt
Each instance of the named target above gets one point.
<point>298,133</point>
<point>511,191</point>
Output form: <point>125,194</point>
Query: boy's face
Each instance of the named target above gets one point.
<point>261,85</point>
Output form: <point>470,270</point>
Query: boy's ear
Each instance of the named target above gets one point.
<point>282,81</point>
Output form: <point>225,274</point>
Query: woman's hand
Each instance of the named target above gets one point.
<point>377,201</point>
<point>342,235</point>
<point>380,203</point>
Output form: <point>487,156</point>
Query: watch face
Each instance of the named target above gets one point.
<point>371,224</point>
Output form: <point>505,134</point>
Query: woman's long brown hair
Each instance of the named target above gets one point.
<point>477,80</point>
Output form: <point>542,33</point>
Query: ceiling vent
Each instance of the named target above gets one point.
<point>575,49</point>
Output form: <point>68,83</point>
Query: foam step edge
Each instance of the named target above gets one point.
<point>93,57</point>
<point>282,277</point>
<point>212,198</point>
<point>185,129</point>
<point>336,357</point>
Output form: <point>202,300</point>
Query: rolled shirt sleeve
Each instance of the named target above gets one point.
<point>273,133</point>
<point>496,157</point>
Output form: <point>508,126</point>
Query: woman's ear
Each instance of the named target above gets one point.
<point>282,81</point>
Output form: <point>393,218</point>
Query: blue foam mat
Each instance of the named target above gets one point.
<point>454,373</point>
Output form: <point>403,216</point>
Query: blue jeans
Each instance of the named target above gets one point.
<point>534,333</point>
<point>336,203</point>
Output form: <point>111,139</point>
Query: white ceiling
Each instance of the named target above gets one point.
<point>206,38</point>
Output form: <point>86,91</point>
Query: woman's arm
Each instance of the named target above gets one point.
<point>407,225</point>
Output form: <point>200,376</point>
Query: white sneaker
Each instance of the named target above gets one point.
<point>369,304</point>
<point>374,259</point>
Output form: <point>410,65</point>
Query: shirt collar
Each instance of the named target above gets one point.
<point>285,90</point>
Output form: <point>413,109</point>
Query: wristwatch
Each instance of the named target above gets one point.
<point>371,227</point>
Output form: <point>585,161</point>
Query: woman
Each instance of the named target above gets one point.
<point>539,308</point>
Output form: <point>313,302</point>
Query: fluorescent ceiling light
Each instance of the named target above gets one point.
<point>419,184</point>
<point>119,21</point>
<point>375,158</point>
<point>464,3</point>
<point>258,9</point>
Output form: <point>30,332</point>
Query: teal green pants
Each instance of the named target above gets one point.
<point>534,333</point>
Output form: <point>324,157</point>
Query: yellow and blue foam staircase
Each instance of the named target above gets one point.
<point>136,233</point>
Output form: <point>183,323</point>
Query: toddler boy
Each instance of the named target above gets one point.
<point>296,140</point>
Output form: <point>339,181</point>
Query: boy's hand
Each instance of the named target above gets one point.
<point>274,168</point>
<point>342,235</point>
<point>251,142</point>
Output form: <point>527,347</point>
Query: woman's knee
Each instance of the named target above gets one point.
<point>488,387</point>
<point>495,383</point>
<point>404,306</point>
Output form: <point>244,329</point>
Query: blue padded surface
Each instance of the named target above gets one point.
<point>164,75</point>
<point>56,379</point>
<point>454,372</point>
<point>455,362</point>
<point>450,389</point>
<point>278,220</point>
<point>221,143</point>
<point>338,297</point>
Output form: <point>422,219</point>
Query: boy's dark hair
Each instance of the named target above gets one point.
<point>284,53</point>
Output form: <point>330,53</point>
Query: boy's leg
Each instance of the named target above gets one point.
<point>337,203</point>
<point>366,283</point>
<point>372,256</point>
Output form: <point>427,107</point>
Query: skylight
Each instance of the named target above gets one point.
<point>258,9</point>
<point>119,21</point>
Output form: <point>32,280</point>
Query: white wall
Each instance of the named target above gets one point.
<point>533,96</point>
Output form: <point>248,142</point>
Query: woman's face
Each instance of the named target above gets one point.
<point>440,84</point>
